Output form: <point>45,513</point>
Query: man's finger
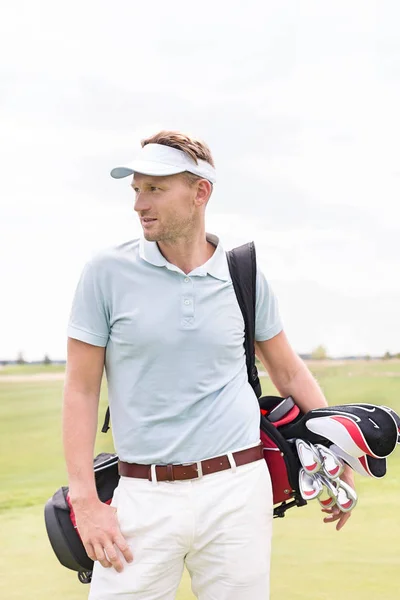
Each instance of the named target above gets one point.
<point>333,512</point>
<point>336,515</point>
<point>123,546</point>
<point>343,520</point>
<point>90,551</point>
<point>101,557</point>
<point>331,518</point>
<point>112,555</point>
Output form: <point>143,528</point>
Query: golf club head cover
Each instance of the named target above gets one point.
<point>365,465</point>
<point>395,417</point>
<point>357,429</point>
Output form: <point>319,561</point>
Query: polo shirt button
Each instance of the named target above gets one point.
<point>187,279</point>
<point>186,302</point>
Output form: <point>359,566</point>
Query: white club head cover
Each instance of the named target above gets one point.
<point>361,465</point>
<point>350,432</point>
<point>342,431</point>
<point>354,462</point>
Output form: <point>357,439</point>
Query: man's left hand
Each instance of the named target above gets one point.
<point>335,514</point>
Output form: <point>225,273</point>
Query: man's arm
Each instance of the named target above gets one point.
<point>97,522</point>
<point>84,371</point>
<point>289,374</point>
<point>291,377</point>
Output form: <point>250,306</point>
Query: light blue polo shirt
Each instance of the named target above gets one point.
<point>175,361</point>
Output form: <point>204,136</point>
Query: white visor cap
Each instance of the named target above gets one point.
<point>159,160</point>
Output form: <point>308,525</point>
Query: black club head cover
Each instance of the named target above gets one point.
<point>396,418</point>
<point>357,429</point>
<point>365,465</point>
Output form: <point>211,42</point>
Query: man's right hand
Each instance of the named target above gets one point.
<point>98,527</point>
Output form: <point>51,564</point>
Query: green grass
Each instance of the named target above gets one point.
<point>28,369</point>
<point>311,561</point>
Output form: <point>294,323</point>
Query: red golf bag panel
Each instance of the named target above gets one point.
<point>279,453</point>
<point>281,487</point>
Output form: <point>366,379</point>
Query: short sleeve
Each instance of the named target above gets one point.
<point>89,321</point>
<point>268,320</point>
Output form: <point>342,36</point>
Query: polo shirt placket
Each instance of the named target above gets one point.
<point>187,303</point>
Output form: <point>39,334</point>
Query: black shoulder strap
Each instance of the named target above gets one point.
<point>106,424</point>
<point>243,269</point>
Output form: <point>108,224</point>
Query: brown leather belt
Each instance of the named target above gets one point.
<point>191,470</point>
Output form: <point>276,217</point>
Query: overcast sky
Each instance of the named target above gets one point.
<point>299,102</point>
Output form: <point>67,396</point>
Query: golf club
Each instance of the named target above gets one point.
<point>347,497</point>
<point>309,457</point>
<point>331,490</point>
<point>332,465</point>
<point>310,487</point>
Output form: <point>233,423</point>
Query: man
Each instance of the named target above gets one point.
<point>161,315</point>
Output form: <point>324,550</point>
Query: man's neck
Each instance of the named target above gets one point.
<point>187,254</point>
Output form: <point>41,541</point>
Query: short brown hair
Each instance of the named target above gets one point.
<point>196,149</point>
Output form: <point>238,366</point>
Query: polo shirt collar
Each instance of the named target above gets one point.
<point>216,266</point>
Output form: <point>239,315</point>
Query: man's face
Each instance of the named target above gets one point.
<point>165,205</point>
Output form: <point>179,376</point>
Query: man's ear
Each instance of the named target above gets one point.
<point>203,192</point>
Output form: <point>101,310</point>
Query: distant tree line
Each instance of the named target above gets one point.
<point>319,353</point>
<point>20,360</point>
<point>388,355</point>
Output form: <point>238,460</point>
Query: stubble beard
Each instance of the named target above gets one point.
<point>176,229</point>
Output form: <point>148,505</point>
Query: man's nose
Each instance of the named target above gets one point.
<point>141,202</point>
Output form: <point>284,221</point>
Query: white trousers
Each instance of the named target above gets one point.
<point>219,526</point>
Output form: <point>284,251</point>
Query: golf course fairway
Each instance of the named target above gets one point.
<point>311,560</point>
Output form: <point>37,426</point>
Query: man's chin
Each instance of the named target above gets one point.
<point>150,237</point>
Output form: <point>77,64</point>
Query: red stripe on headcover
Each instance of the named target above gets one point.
<point>355,433</point>
<point>363,461</point>
<point>289,417</point>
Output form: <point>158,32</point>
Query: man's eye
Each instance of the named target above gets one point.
<point>136,190</point>
<point>153,188</point>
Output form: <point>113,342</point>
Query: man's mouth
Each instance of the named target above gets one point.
<point>147,222</point>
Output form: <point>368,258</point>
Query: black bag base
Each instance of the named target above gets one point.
<point>63,536</point>
<point>85,576</point>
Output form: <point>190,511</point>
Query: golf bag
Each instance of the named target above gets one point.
<point>60,518</point>
<point>279,452</point>
<point>280,455</point>
<point>275,413</point>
